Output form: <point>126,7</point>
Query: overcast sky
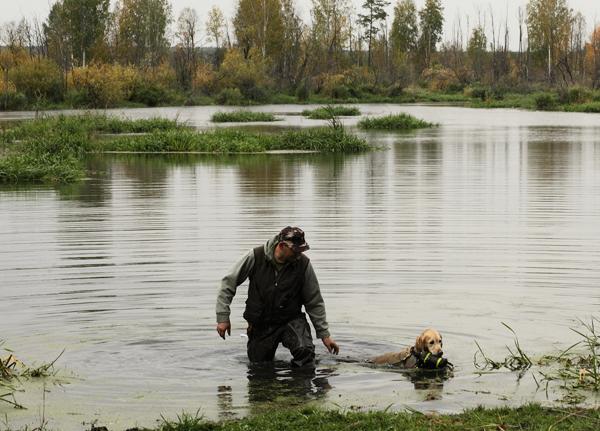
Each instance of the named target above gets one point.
<point>11,10</point>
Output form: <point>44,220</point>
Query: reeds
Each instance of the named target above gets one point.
<point>243,117</point>
<point>517,360</point>
<point>580,363</point>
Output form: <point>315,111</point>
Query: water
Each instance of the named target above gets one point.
<point>490,218</point>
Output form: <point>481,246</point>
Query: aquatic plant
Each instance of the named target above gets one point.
<point>578,365</point>
<point>517,360</point>
<point>242,117</point>
<point>393,122</point>
<point>327,112</point>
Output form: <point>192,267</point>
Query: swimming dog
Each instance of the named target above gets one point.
<point>426,353</point>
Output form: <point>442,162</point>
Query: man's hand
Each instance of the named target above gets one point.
<point>331,345</point>
<point>222,328</point>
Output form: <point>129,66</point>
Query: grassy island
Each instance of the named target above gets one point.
<point>393,122</point>
<point>327,112</point>
<point>52,149</point>
<point>242,117</point>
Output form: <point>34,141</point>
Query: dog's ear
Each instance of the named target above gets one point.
<point>420,343</point>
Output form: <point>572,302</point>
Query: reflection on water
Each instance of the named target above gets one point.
<point>492,217</point>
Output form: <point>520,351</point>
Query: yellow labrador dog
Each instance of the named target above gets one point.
<point>428,342</point>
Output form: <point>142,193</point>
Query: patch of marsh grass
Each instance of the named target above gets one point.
<point>327,112</point>
<point>52,149</point>
<point>243,117</point>
<point>325,140</point>
<point>393,122</point>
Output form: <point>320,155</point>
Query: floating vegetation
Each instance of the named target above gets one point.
<point>242,117</point>
<point>327,112</point>
<point>12,370</point>
<point>393,122</point>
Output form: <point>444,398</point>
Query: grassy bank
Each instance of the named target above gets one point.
<point>327,112</point>
<point>242,117</point>
<point>530,417</point>
<point>572,99</point>
<point>51,150</point>
<point>393,122</point>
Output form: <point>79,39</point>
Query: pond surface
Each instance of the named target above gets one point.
<point>492,217</point>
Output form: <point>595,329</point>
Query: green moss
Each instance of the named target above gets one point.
<point>242,117</point>
<point>393,122</point>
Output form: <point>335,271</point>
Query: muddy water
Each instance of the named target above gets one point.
<point>491,217</point>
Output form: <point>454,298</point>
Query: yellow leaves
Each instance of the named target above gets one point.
<point>237,71</point>
<point>104,85</point>
<point>204,78</point>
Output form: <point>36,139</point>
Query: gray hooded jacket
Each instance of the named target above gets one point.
<point>311,292</point>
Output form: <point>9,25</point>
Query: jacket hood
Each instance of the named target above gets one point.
<point>270,247</point>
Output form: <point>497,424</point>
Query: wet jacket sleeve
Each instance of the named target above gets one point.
<point>313,302</point>
<point>238,274</point>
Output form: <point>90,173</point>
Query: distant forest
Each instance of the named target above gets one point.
<point>85,54</point>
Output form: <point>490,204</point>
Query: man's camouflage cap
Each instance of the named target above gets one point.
<point>293,237</point>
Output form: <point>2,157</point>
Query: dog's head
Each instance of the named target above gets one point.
<point>430,341</point>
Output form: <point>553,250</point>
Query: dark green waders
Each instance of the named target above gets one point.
<point>294,335</point>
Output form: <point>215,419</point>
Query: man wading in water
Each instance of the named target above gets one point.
<point>282,280</point>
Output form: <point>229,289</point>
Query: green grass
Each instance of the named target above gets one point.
<point>327,112</point>
<point>531,417</point>
<point>52,150</point>
<point>242,117</point>
<point>325,140</point>
<point>393,122</point>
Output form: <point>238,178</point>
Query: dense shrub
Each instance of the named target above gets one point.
<point>575,94</point>
<point>149,93</point>
<point>204,80</point>
<point>395,90</point>
<point>38,79</point>
<point>439,78</point>
<point>476,92</point>
<point>230,96</point>
<point>12,101</point>
<point>545,101</point>
<point>243,73</point>
<point>303,91</point>
<point>103,86</point>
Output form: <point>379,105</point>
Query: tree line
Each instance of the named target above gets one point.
<point>86,53</point>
